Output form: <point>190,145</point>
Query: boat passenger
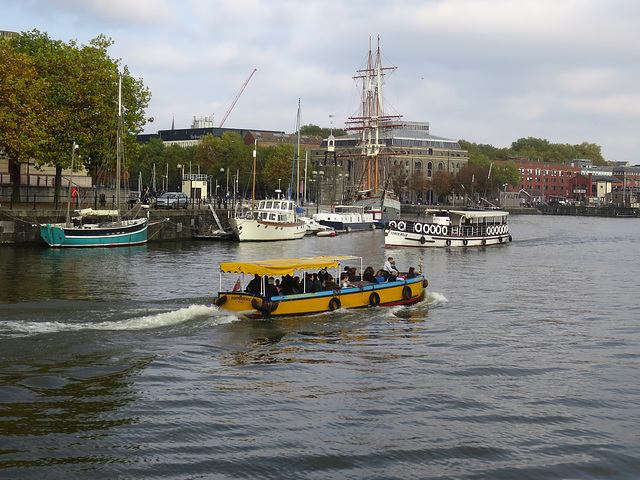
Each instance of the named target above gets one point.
<point>369,275</point>
<point>254,285</point>
<point>412,272</point>
<point>271,290</point>
<point>316,285</point>
<point>322,275</point>
<point>344,281</point>
<point>330,284</point>
<point>390,266</point>
<point>287,285</point>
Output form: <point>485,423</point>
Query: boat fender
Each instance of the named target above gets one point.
<point>402,225</point>
<point>465,242</point>
<point>220,300</point>
<point>374,299</point>
<point>425,283</point>
<point>348,229</point>
<point>334,304</point>
<point>423,240</point>
<point>373,226</point>
<point>417,228</point>
<point>500,239</point>
<point>510,239</point>
<point>484,241</point>
<point>448,242</point>
<point>406,292</point>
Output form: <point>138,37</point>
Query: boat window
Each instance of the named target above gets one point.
<point>281,218</point>
<point>264,216</point>
<point>276,205</point>
<point>268,204</point>
<point>272,216</point>
<point>261,205</point>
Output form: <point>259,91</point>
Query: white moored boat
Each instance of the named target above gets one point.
<point>450,228</point>
<point>272,220</point>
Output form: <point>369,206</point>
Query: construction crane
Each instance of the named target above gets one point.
<point>237,97</point>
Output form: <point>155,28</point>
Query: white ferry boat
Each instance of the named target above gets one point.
<point>450,228</point>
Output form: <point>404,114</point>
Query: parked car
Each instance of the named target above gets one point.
<point>172,200</point>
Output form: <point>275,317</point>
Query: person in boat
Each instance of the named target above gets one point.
<point>316,284</point>
<point>297,286</point>
<point>369,275</point>
<point>288,285</point>
<point>412,272</point>
<point>390,266</point>
<point>344,281</point>
<point>271,290</point>
<point>254,285</point>
<point>330,284</point>
<point>322,275</point>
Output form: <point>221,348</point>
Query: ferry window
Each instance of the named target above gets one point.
<point>261,205</point>
<point>276,205</point>
<point>272,216</point>
<point>264,216</point>
<point>268,205</point>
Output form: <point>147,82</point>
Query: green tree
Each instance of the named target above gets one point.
<point>277,164</point>
<point>22,94</point>
<point>81,105</point>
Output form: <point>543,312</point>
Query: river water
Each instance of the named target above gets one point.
<point>522,362</point>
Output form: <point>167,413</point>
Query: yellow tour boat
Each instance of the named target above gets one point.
<point>260,297</point>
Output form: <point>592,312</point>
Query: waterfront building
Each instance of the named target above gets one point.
<point>407,147</point>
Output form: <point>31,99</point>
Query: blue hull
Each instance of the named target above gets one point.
<point>109,235</point>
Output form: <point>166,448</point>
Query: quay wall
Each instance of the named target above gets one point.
<point>21,226</point>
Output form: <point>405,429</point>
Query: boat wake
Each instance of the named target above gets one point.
<point>435,299</point>
<point>144,322</point>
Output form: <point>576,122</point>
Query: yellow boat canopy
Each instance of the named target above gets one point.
<point>283,266</point>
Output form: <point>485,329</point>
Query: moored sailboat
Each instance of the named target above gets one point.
<point>117,233</point>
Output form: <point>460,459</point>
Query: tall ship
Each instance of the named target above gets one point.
<point>370,124</point>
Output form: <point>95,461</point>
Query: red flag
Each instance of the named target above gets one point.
<point>236,287</point>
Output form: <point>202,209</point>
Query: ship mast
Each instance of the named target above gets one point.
<point>372,118</point>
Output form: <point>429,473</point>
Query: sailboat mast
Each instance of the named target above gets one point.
<point>73,158</point>
<point>119,146</point>
<point>293,165</point>
<point>253,190</point>
<point>298,149</point>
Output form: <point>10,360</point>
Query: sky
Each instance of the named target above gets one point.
<point>486,71</point>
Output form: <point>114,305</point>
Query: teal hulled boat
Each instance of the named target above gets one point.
<point>111,234</point>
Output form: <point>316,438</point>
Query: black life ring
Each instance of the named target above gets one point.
<point>465,242</point>
<point>406,292</point>
<point>220,300</point>
<point>448,242</point>
<point>500,239</point>
<point>425,283</point>
<point>374,299</point>
<point>423,240</point>
<point>334,304</point>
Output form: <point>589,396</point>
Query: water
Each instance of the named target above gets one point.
<point>521,363</point>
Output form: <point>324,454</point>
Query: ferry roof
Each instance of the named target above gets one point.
<point>468,213</point>
<point>283,266</point>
